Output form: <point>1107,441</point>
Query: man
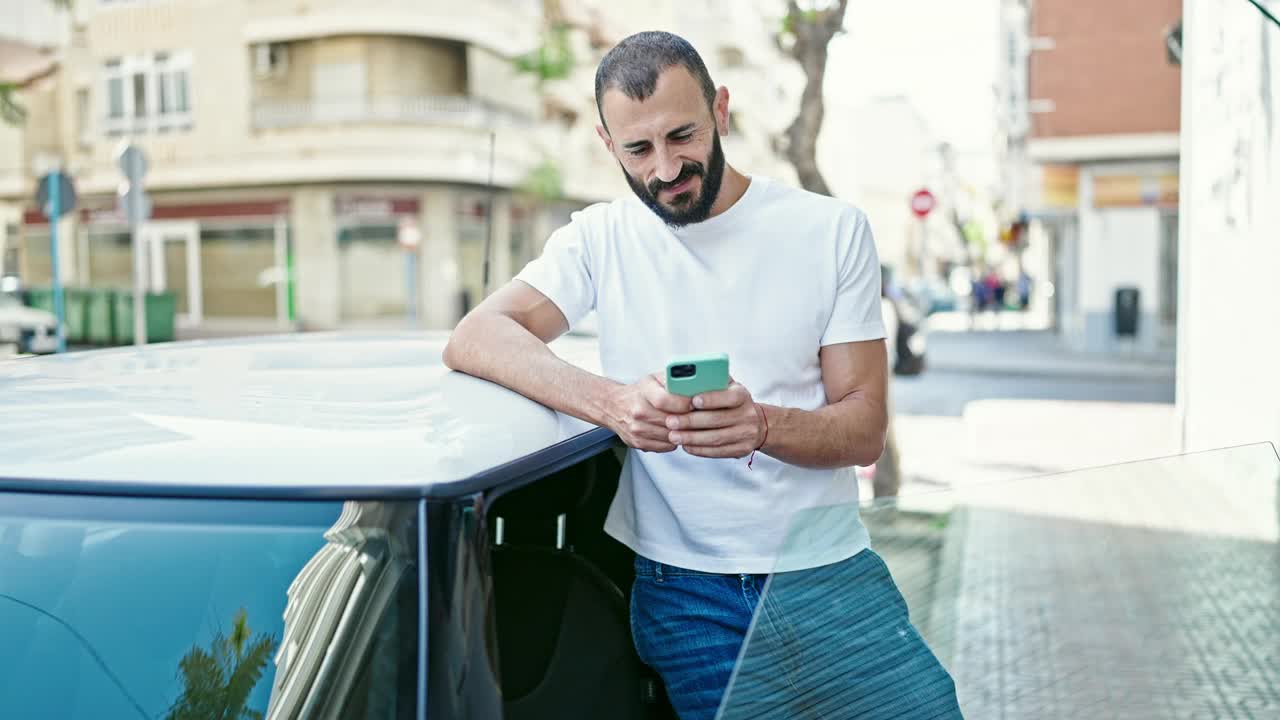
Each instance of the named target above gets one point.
<point>706,259</point>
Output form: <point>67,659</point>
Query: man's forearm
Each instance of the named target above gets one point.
<point>487,347</point>
<point>846,433</point>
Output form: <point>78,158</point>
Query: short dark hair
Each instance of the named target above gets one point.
<point>633,66</point>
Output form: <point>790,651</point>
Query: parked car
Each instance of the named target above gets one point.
<point>906,324</point>
<point>933,295</point>
<point>319,526</point>
<point>30,330</point>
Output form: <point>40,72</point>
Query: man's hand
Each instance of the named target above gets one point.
<point>723,424</point>
<point>639,413</point>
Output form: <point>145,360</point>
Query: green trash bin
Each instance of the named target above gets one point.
<point>40,298</point>
<point>101,319</point>
<point>77,316</point>
<point>161,310</point>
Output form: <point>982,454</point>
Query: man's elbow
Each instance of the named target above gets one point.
<point>450,355</point>
<point>454,355</point>
<point>868,449</point>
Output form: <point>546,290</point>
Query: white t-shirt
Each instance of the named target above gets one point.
<point>780,274</point>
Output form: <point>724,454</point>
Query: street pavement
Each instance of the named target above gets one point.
<point>1000,405</point>
<point>1053,575</point>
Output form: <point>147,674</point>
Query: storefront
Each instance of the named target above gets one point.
<point>222,261</point>
<point>377,257</point>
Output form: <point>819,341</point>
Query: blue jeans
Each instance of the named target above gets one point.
<point>832,642</point>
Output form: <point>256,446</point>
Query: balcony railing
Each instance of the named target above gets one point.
<point>453,111</point>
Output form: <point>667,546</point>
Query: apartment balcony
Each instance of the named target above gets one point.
<point>326,153</point>
<point>448,111</point>
<point>505,27</point>
<point>37,24</point>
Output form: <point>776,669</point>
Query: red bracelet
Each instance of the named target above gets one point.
<point>763,416</point>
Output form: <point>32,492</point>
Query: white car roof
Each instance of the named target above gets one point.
<point>320,415</point>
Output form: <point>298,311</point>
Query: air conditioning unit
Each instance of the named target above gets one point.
<point>270,59</point>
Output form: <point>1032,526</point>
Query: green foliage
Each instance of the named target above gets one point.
<point>552,60</point>
<point>11,112</point>
<point>544,182</point>
<point>217,682</point>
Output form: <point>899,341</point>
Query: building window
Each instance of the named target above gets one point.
<point>173,81</point>
<point>148,93</point>
<point>115,92</point>
<point>84,120</point>
<point>139,95</point>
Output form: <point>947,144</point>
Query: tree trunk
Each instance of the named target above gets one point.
<point>811,32</point>
<point>802,135</point>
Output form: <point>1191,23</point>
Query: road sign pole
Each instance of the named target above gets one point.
<point>139,292</point>
<point>923,203</point>
<point>55,212</point>
<point>137,207</point>
<point>924,248</point>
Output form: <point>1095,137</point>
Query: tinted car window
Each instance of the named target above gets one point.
<point>130,607</point>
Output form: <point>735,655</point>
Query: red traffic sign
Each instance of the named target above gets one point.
<point>923,203</point>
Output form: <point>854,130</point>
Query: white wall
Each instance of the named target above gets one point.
<point>1118,248</point>
<point>1229,335</point>
<point>1113,248</point>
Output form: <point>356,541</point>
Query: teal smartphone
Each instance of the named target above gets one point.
<point>696,374</point>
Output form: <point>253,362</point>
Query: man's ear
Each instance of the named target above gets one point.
<point>604,135</point>
<point>720,109</point>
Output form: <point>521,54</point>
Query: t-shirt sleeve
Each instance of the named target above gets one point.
<point>856,315</point>
<point>563,271</point>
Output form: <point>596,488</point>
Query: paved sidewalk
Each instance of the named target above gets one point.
<point>1139,590</point>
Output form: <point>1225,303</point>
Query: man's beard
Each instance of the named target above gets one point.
<point>691,208</point>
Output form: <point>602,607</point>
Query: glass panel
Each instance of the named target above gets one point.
<point>139,95</point>
<point>115,97</point>
<point>123,607</point>
<point>372,268</point>
<point>181,101</point>
<point>472,230</point>
<point>164,85</point>
<point>1143,590</point>
<point>236,265</point>
<point>84,119</point>
<point>175,272</point>
<point>522,225</point>
<point>110,259</point>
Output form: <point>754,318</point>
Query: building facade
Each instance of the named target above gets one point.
<point>1091,102</point>
<point>328,164</point>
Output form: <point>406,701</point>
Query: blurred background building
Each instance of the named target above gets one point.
<point>1091,114</point>
<point>327,164</point>
<point>911,106</point>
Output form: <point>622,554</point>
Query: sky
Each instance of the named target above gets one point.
<point>942,54</point>
<point>907,75</point>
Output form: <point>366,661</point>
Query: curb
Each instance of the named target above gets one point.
<point>1140,372</point>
